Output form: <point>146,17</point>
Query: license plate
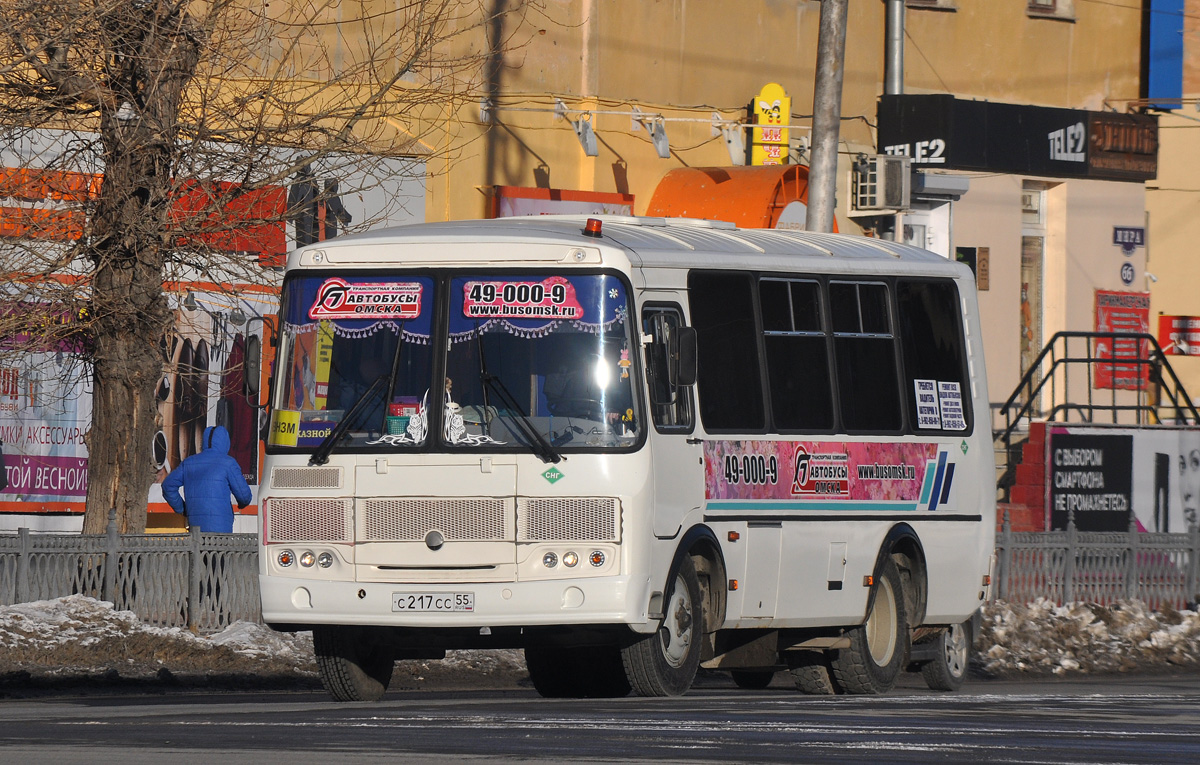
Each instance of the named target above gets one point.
<point>433,601</point>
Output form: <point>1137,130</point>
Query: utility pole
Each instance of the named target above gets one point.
<point>827,114</point>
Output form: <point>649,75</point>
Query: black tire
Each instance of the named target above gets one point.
<point>948,671</point>
<point>594,672</point>
<point>551,669</point>
<point>352,668</point>
<point>810,672</point>
<point>665,663</point>
<point>873,660</point>
<point>752,679</point>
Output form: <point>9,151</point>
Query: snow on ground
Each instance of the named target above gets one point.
<point>76,637</point>
<point>1085,637</point>
<point>79,637</point>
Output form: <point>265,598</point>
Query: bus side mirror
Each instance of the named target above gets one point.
<point>252,367</point>
<point>682,354</point>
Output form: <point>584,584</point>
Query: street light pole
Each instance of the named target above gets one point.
<point>827,113</point>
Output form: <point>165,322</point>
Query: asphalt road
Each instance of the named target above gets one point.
<point>1096,720</point>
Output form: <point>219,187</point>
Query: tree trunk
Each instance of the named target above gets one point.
<point>130,236</point>
<point>126,374</point>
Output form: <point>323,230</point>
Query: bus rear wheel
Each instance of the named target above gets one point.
<point>352,668</point>
<point>560,672</point>
<point>873,660</point>
<point>948,671</point>
<point>810,672</point>
<point>665,663</point>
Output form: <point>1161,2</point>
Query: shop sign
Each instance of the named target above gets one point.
<point>958,134</point>
<point>1179,335</point>
<point>772,111</point>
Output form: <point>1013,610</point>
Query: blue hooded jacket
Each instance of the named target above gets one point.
<point>208,478</point>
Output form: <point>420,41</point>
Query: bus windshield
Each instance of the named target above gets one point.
<point>538,363</point>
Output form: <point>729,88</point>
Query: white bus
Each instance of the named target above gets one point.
<point>632,447</point>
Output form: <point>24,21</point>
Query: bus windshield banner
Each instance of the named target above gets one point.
<point>553,298</point>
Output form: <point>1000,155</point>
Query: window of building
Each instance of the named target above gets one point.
<point>797,354</point>
<point>728,380</point>
<point>937,5</point>
<point>1052,9</point>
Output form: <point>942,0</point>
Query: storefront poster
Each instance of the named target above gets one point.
<point>1127,312</point>
<point>46,406</point>
<point>1108,478</point>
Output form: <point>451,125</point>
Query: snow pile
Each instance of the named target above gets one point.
<point>1084,637</point>
<point>77,636</point>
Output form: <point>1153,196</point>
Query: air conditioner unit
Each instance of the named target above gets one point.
<point>882,182</point>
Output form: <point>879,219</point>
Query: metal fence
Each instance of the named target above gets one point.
<point>208,581</point>
<point>201,581</point>
<point>1099,567</point>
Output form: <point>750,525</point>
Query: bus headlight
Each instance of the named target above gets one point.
<point>324,560</point>
<point>570,560</point>
<point>286,558</point>
<point>307,559</point>
<point>549,560</point>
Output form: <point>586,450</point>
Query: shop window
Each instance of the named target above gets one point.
<point>797,355</point>
<point>935,364</point>
<point>728,378</point>
<point>865,353</point>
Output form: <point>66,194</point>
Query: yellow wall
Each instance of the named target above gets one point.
<point>1173,206</point>
<point>687,58</point>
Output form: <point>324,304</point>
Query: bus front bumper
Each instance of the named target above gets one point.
<point>583,601</point>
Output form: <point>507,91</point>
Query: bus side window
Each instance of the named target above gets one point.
<point>670,404</point>
<point>729,378</point>
<point>931,339</point>
<point>865,351</point>
<point>797,354</point>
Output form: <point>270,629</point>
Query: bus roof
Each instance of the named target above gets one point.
<point>663,242</point>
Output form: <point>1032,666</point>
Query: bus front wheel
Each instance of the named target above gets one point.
<point>872,662</point>
<point>665,663</point>
<point>559,672</point>
<point>352,668</point>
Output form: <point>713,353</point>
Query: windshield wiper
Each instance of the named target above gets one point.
<point>321,454</point>
<point>537,442</point>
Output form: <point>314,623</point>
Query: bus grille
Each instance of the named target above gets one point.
<point>307,520</point>
<point>569,519</point>
<point>306,478</point>
<point>470,519</point>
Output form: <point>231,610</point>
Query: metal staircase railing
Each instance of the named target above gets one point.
<point>1152,394</point>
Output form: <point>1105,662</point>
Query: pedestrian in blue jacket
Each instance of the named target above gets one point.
<point>208,478</point>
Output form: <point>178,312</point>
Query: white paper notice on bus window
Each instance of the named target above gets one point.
<point>928,412</point>
<point>950,402</point>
